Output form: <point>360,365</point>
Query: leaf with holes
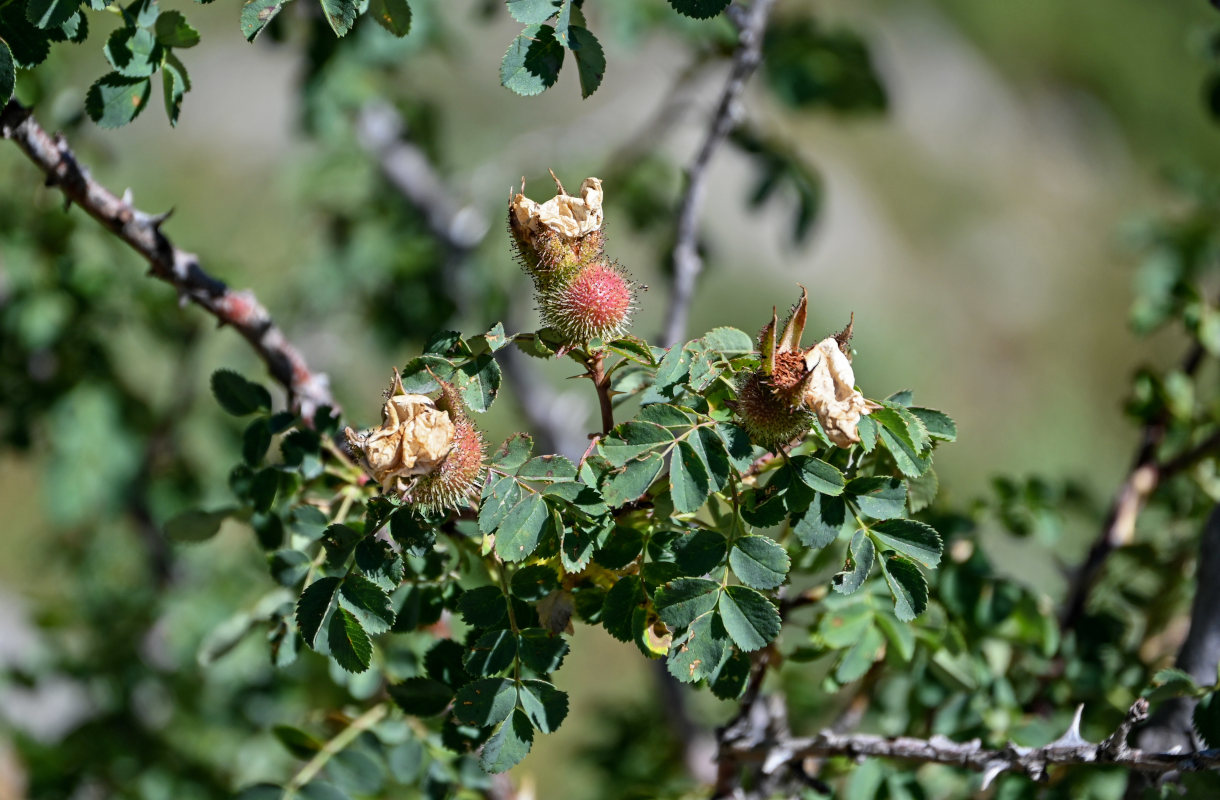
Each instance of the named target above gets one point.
<point>697,653</point>
<point>681,601</point>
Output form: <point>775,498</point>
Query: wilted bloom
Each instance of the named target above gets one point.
<point>426,451</point>
<point>776,401</point>
<point>581,294</point>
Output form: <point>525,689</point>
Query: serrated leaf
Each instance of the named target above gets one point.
<point>673,369</point>
<point>257,14</point>
<point>518,534</point>
<point>634,348</point>
<point>50,13</point>
<point>750,619</point>
<point>485,702</point>
<point>173,30</point>
<point>547,468</point>
<point>699,9</point>
<point>28,45</point>
<point>907,585</point>
<point>263,489</point>
<point>531,64</point>
<point>1206,719</point>
<point>237,395</point>
<point>493,652</point>
<point>859,563</point>
<point>542,651</point>
<point>759,562</point>
<point>627,484</point>
<point>905,457</point>
<point>688,479</point>
<point>823,522</point>
<point>683,600</point>
<point>938,424</point>
<point>175,83</point>
<point>915,539</point>
<point>341,14</point>
<point>878,497</point>
<point>818,475</point>
<point>697,653</point>
<point>715,457</point>
<point>533,12</point>
<point>478,381</point>
<point>622,601</point>
<point>393,15</point>
<point>421,697</point>
<point>513,453</point>
<point>508,745</point>
<point>590,59</point>
<point>737,443</point>
<point>546,706</point>
<point>699,553</point>
<point>483,607</point>
<point>633,439</point>
<point>368,603</point>
<point>729,342</point>
<point>500,497</point>
<point>114,100</point>
<point>350,646</point>
<point>313,606</point>
<point>729,680</point>
<point>133,52</point>
<point>8,72</point>
<point>534,582</point>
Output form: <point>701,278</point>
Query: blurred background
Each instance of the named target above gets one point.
<point>977,215</point>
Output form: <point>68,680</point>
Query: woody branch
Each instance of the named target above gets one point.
<point>307,390</point>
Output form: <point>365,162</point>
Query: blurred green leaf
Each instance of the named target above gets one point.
<point>393,15</point>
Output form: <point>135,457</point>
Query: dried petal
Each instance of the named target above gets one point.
<point>830,392</point>
<point>414,438</point>
<point>568,216</point>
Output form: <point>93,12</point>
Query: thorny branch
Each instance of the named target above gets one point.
<point>307,390</point>
<point>1147,472</point>
<point>781,751</point>
<point>686,259</point>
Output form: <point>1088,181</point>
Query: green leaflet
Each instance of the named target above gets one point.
<point>393,15</point>
<point>531,64</point>
<point>695,655</point>
<point>911,538</point>
<point>508,745</point>
<point>350,646</point>
<point>750,619</point>
<point>858,565</point>
<point>688,479</point>
<point>907,585</point>
<point>759,562</point>
<point>682,600</point>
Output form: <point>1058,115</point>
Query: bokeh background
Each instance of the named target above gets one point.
<point>979,228</point>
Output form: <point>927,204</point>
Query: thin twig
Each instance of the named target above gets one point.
<point>307,390</point>
<point>687,262</point>
<point>601,381</point>
<point>1033,762</point>
<point>335,746</point>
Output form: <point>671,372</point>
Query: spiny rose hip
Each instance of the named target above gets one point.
<point>596,303</point>
<point>774,402</point>
<point>426,451</point>
<point>580,292</point>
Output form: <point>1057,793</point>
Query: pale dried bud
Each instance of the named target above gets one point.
<point>414,439</point>
<point>568,216</point>
<point>829,391</point>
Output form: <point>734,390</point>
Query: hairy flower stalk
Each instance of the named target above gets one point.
<point>581,293</point>
<point>426,451</point>
<point>778,401</point>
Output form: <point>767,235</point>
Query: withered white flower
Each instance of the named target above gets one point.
<point>829,391</point>
<point>569,216</point>
<point>414,438</point>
